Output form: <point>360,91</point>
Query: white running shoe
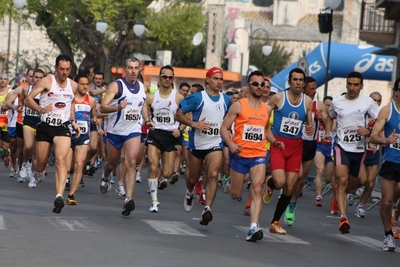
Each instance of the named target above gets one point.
<point>360,212</point>
<point>138,177</point>
<point>23,173</point>
<point>13,172</point>
<point>350,199</point>
<point>154,206</point>
<point>389,244</point>
<point>120,189</point>
<point>32,180</point>
<point>112,179</point>
<point>39,176</point>
<point>226,185</point>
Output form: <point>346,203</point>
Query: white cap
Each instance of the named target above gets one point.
<point>274,90</point>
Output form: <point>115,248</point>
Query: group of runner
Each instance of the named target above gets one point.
<point>260,135</point>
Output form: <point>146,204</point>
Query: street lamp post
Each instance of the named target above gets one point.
<point>233,47</point>
<point>138,27</point>
<point>18,4</point>
<point>325,26</point>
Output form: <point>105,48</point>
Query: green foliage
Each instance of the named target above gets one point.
<point>272,64</point>
<point>174,26</point>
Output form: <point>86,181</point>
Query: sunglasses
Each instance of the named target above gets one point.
<point>23,81</point>
<point>256,84</point>
<point>165,76</point>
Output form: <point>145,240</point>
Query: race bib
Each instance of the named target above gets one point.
<point>164,117</point>
<point>131,114</point>
<point>83,126</point>
<point>53,120</point>
<point>253,133</point>
<point>397,144</point>
<point>350,136</point>
<point>321,134</point>
<point>31,112</point>
<point>214,129</point>
<point>290,126</point>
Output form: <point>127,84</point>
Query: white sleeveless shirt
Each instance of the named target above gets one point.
<point>128,120</point>
<point>164,110</point>
<point>61,100</point>
<point>214,112</point>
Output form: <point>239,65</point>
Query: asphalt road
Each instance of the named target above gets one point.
<point>94,233</point>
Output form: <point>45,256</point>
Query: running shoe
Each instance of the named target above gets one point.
<point>206,217</point>
<point>20,179</point>
<point>81,183</point>
<point>246,211</point>
<point>389,244</point>
<point>105,185</point>
<point>254,234</point>
<point>58,204</point>
<point>202,198</point>
<point>120,189</point>
<point>7,161</point>
<point>174,178</point>
<point>129,205</point>
<point>289,214</point>
<point>226,185</point>
<point>13,172</point>
<point>23,173</point>
<point>395,229</point>
<point>318,201</point>
<point>52,159</point>
<point>112,179</point>
<point>71,200</point>
<point>350,199</point>
<point>334,207</point>
<point>91,170</point>
<point>344,225</point>
<point>182,169</point>
<point>32,180</point>
<point>99,164</point>
<point>198,188</point>
<point>276,228</point>
<point>39,176</point>
<point>138,178</point>
<point>162,183</point>
<point>248,184</point>
<point>154,206</point>
<point>68,184</point>
<point>267,192</point>
<point>188,203</point>
<point>360,212</point>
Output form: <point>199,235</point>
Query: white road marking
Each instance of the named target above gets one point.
<point>70,223</point>
<point>2,223</point>
<point>364,241</point>
<point>173,228</point>
<point>275,237</point>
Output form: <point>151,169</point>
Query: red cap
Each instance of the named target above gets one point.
<point>212,71</point>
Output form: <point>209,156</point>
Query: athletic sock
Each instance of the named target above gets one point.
<point>153,184</point>
<point>281,206</point>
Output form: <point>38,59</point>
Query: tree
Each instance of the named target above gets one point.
<point>272,64</point>
<point>70,24</point>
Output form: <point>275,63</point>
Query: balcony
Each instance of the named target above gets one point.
<point>375,29</point>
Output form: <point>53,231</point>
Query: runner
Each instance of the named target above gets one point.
<point>349,150</point>
<point>57,114</point>
<point>247,149</point>
<point>205,143</point>
<point>389,121</point>
<point>163,137</point>
<point>123,103</point>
